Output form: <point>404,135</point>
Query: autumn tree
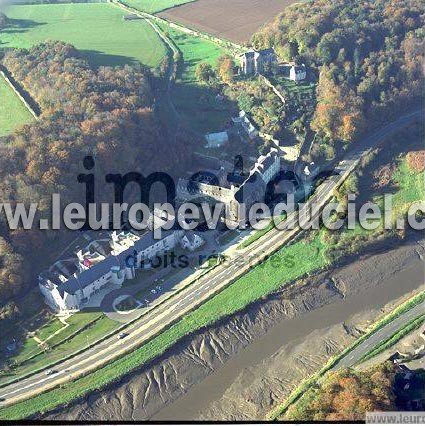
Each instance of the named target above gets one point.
<point>225,67</point>
<point>348,395</point>
<point>338,114</point>
<point>204,72</point>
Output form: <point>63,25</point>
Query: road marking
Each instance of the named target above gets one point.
<point>32,384</point>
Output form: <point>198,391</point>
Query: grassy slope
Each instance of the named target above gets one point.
<point>194,102</point>
<point>84,328</point>
<point>411,188</point>
<point>97,29</point>
<point>154,6</point>
<point>13,112</point>
<point>194,50</point>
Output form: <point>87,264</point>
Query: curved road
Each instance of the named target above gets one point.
<point>173,309</point>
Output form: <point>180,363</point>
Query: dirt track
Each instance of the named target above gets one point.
<point>241,367</point>
<point>235,20</point>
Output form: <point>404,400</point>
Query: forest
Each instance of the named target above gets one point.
<point>348,394</point>
<point>368,57</point>
<point>108,113</point>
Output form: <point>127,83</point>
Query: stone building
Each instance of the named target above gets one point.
<point>257,61</point>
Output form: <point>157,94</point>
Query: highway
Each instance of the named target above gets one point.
<point>194,295</point>
<point>381,335</point>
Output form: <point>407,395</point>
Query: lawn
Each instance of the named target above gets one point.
<point>13,113</point>
<point>97,29</point>
<point>50,328</point>
<point>411,188</point>
<point>196,103</point>
<point>154,6</point>
<point>84,328</point>
<point>194,50</point>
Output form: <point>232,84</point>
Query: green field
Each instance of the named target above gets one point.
<point>194,50</point>
<point>196,103</point>
<point>13,113</point>
<point>154,6</point>
<point>98,30</point>
<point>411,188</point>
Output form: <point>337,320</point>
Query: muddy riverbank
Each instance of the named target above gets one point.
<point>242,366</point>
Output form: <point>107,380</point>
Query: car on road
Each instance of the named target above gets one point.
<point>49,372</point>
<point>122,335</point>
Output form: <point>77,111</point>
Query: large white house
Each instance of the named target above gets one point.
<point>63,293</point>
<point>70,283</point>
<point>268,166</point>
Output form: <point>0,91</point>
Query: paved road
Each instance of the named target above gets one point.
<point>380,336</point>
<point>173,309</point>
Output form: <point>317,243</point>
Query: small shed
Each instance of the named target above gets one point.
<point>216,140</point>
<point>131,17</point>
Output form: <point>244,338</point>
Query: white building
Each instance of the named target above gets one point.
<point>268,166</point>
<point>216,140</point>
<point>297,73</point>
<point>67,294</point>
<point>246,124</point>
<point>70,283</point>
